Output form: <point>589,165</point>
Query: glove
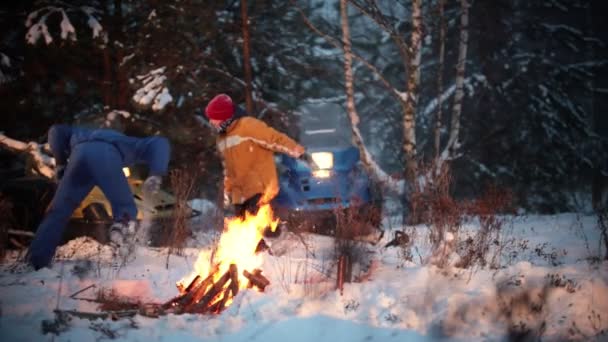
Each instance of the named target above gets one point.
<point>226,200</point>
<point>306,157</point>
<point>300,150</point>
<point>151,185</point>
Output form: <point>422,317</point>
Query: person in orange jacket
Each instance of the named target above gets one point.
<point>247,146</point>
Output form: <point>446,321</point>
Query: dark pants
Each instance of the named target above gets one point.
<point>91,164</point>
<point>250,205</point>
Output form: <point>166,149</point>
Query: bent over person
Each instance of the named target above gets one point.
<point>247,146</point>
<point>86,158</point>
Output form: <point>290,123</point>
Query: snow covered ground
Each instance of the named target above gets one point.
<point>393,300</point>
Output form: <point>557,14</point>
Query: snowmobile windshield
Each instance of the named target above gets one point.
<point>324,126</point>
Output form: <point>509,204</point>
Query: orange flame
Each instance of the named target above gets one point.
<point>237,246</point>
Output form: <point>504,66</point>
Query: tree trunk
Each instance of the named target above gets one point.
<point>370,165</point>
<point>438,113</point>
<point>348,76</point>
<point>122,81</point>
<point>107,81</point>
<point>247,57</point>
<point>599,181</point>
<point>453,143</point>
<point>115,91</point>
<point>409,119</point>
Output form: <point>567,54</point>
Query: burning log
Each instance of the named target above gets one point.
<point>256,279</point>
<point>203,296</point>
<point>230,291</point>
<point>194,283</point>
<point>203,305</point>
<point>234,280</point>
<point>193,292</point>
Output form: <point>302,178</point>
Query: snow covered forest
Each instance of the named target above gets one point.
<point>525,92</point>
<point>484,123</point>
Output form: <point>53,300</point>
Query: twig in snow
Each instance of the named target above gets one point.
<point>73,296</point>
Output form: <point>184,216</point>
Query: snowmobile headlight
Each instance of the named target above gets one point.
<point>126,171</point>
<point>324,160</point>
<point>321,173</point>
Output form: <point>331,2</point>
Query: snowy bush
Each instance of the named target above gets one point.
<point>153,93</point>
<point>38,29</point>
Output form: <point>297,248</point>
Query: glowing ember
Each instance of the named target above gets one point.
<point>237,245</point>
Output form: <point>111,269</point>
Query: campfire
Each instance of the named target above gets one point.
<point>234,265</point>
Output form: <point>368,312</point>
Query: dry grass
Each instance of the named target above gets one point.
<point>602,224</point>
<point>433,204</point>
<point>110,300</point>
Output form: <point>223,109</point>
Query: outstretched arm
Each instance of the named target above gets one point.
<point>272,139</point>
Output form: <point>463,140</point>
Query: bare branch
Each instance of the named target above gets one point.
<point>387,181</point>
<point>338,45</point>
<point>43,164</point>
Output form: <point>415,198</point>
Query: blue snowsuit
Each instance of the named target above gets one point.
<point>94,157</point>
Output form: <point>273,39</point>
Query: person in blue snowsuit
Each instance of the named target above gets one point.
<point>86,158</point>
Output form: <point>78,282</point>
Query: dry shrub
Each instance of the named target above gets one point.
<point>355,221</point>
<point>6,208</point>
<point>182,185</point>
<point>487,209</point>
<point>352,224</point>
<point>432,203</point>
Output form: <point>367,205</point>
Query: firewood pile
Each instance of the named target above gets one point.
<point>203,295</point>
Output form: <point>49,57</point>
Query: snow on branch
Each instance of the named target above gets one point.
<point>44,164</point>
<point>92,20</point>
<point>36,23</point>
<point>153,93</point>
<point>469,83</point>
<point>5,63</point>
<point>390,183</point>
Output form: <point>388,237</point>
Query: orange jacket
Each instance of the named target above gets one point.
<point>248,148</point>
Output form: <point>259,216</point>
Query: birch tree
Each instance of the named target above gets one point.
<point>410,60</point>
<point>451,149</point>
<point>441,52</point>
<point>367,159</point>
<point>411,103</point>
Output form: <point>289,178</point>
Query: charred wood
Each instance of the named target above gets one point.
<point>256,279</point>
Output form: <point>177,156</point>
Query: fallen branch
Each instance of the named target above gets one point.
<point>17,243</point>
<point>43,163</point>
<point>73,296</point>
<point>198,288</point>
<point>20,233</point>
<point>114,315</point>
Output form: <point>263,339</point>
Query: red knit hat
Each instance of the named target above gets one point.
<point>220,108</point>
